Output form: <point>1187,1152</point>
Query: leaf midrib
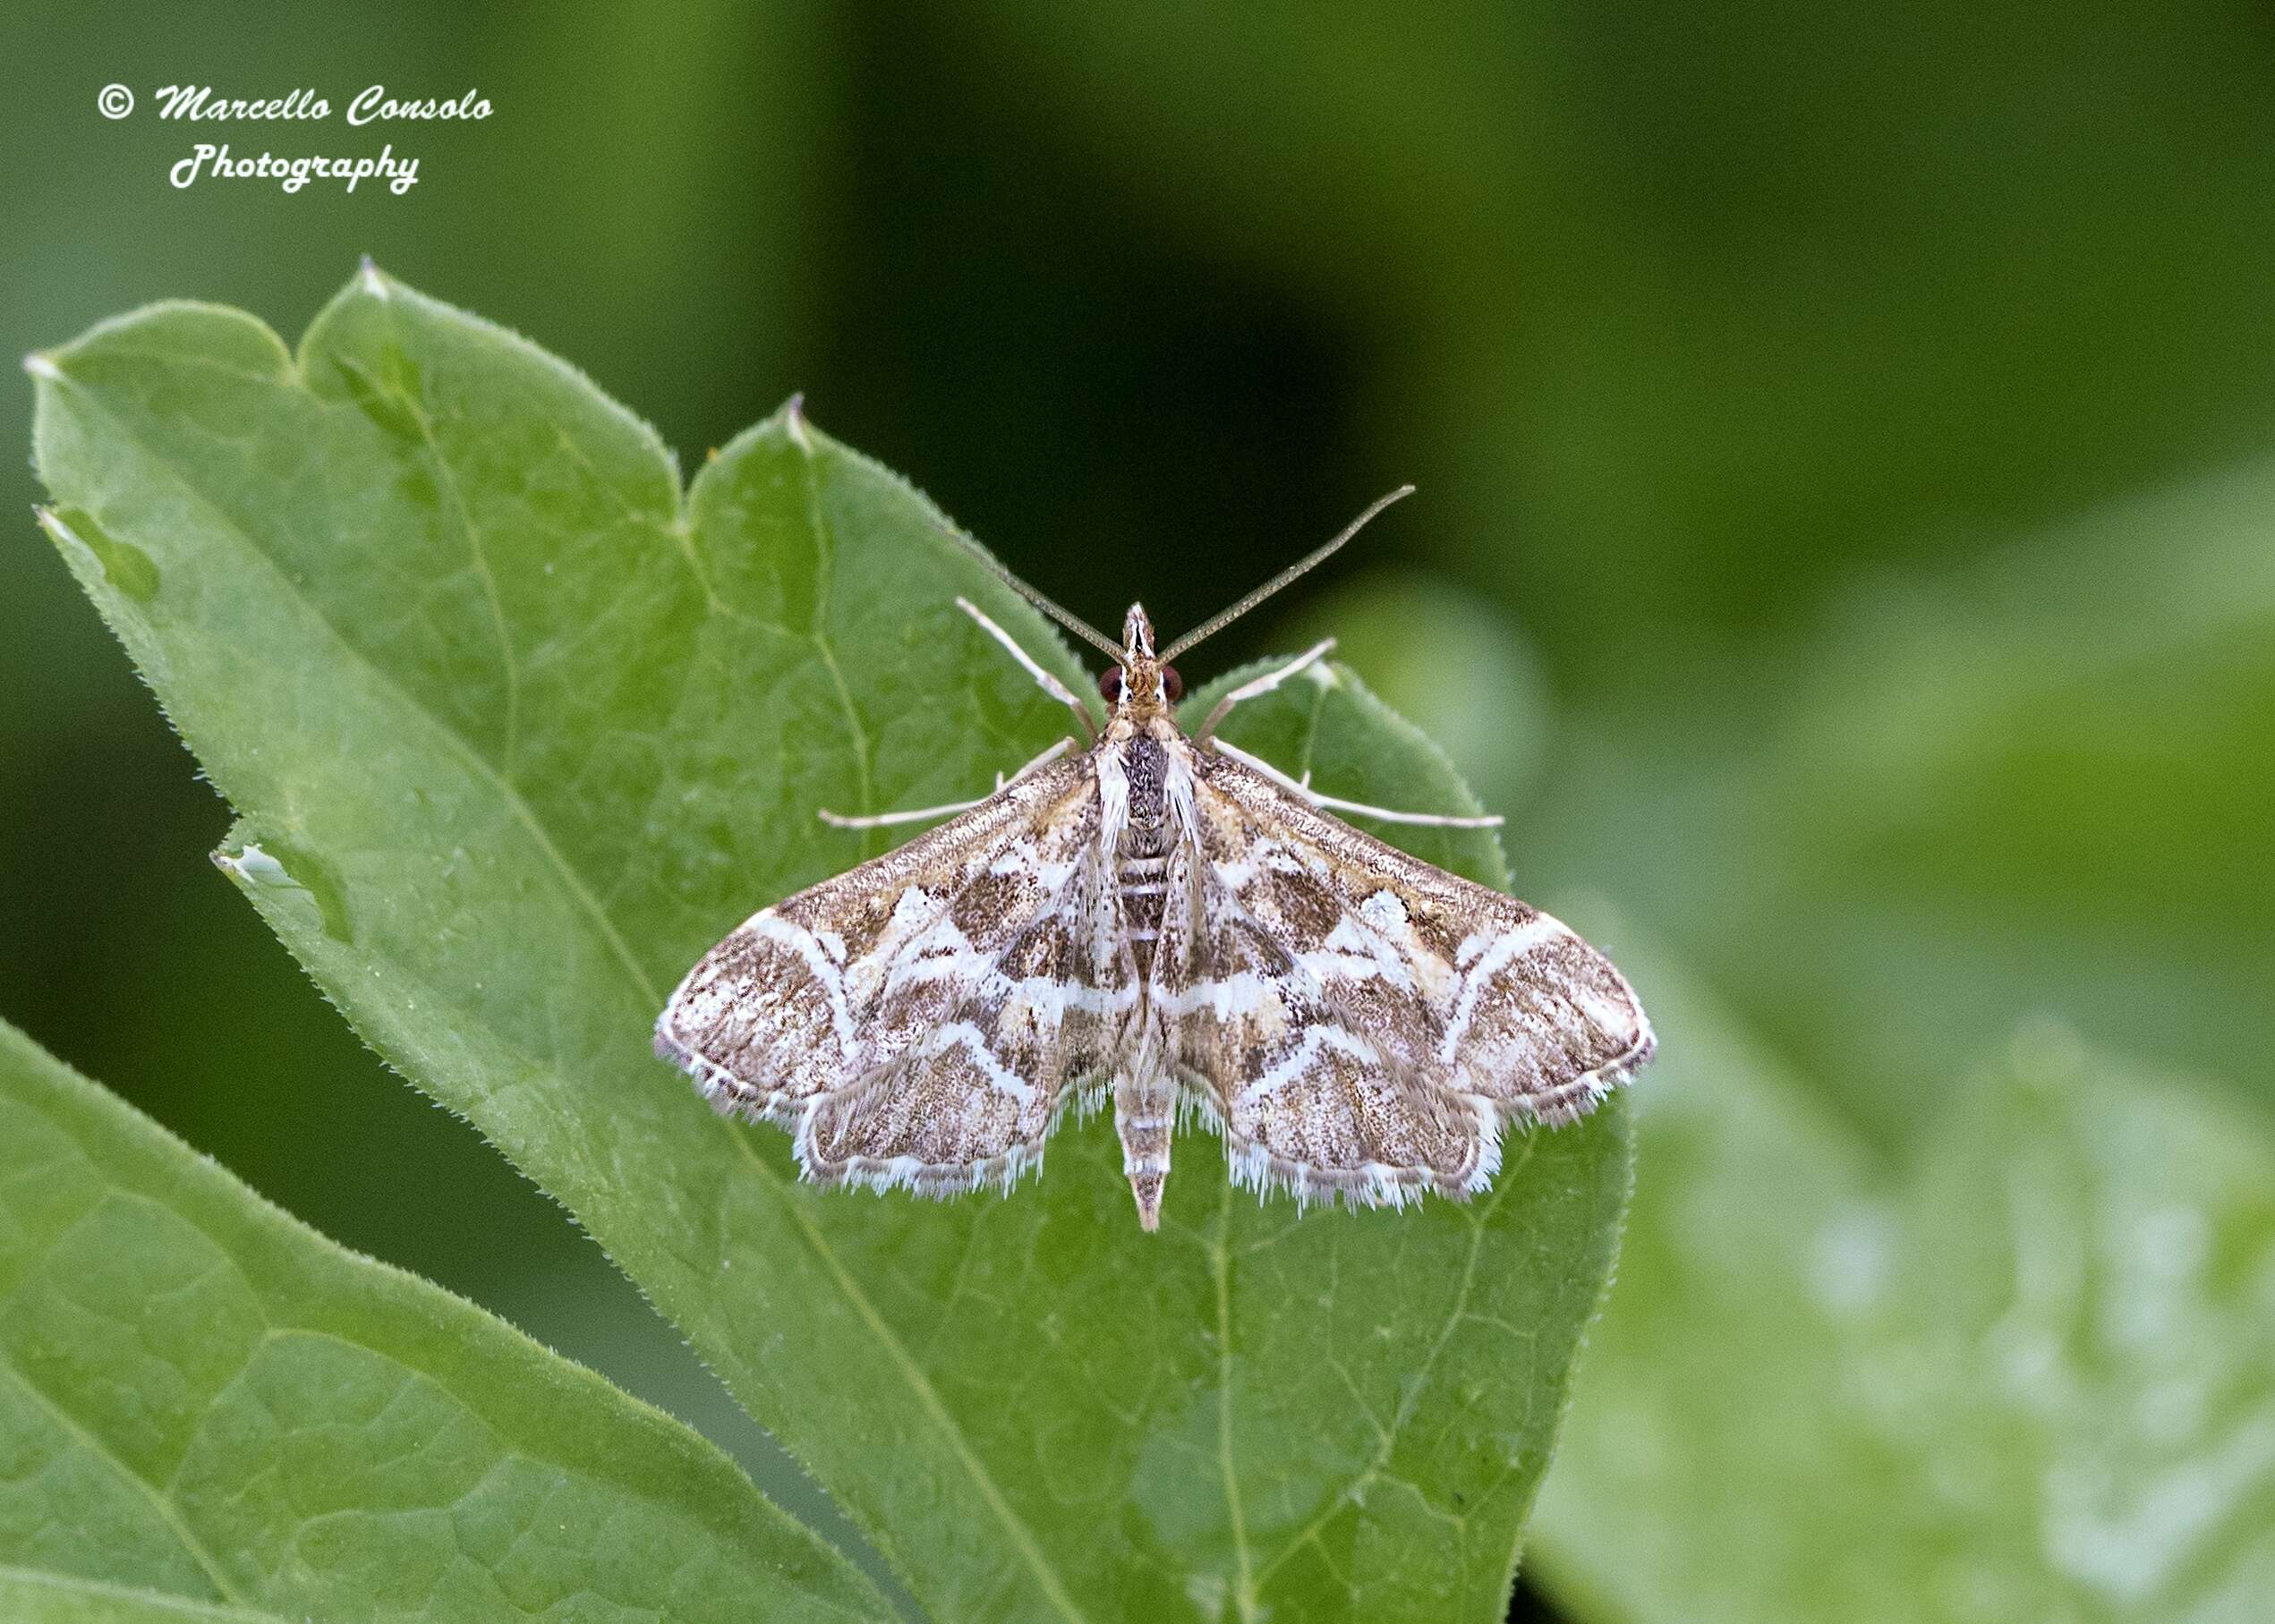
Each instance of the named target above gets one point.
<point>826,573</point>
<point>509,662</point>
<point>1255,1578</point>
<point>1220,1269</point>
<point>1022,1538</point>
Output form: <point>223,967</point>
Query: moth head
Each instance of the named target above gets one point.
<point>1136,635</point>
<point>1141,685</point>
<point>1140,682</point>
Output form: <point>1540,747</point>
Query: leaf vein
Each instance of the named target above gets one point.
<point>136,1595</point>
<point>1220,1268</point>
<point>168,1512</point>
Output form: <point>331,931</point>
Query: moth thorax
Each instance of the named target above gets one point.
<point>1145,766</point>
<point>1142,858</point>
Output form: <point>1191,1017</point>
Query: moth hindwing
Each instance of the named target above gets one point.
<point>1170,922</point>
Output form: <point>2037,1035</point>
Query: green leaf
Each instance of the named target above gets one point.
<point>2039,782</point>
<point>2027,1378</point>
<point>516,734</point>
<point>205,1405</point>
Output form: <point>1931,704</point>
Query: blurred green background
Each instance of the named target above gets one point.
<point>1843,439</point>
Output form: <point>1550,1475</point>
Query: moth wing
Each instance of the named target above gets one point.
<point>915,1019</point>
<point>1363,1021</point>
<point>1308,1094</point>
<point>985,1052</point>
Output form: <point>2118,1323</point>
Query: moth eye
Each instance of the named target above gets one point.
<point>1173,687</point>
<point>1109,684</point>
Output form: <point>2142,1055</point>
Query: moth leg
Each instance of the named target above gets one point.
<point>1302,786</point>
<point>1261,686</point>
<point>925,814</point>
<point>1050,684</point>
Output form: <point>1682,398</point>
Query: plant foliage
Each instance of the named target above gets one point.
<point>515,730</point>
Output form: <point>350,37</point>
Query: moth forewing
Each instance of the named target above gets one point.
<point>1415,1010</point>
<point>966,964</point>
<point>1156,917</point>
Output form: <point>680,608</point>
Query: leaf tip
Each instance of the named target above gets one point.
<point>40,364</point>
<point>794,420</point>
<point>370,278</point>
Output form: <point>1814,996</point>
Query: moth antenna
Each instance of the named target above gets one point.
<point>995,568</point>
<point>1217,624</point>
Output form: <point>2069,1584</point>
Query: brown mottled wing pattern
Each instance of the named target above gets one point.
<point>915,1020</point>
<point>1364,1023</point>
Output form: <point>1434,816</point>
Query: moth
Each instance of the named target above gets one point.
<point>1171,923</point>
